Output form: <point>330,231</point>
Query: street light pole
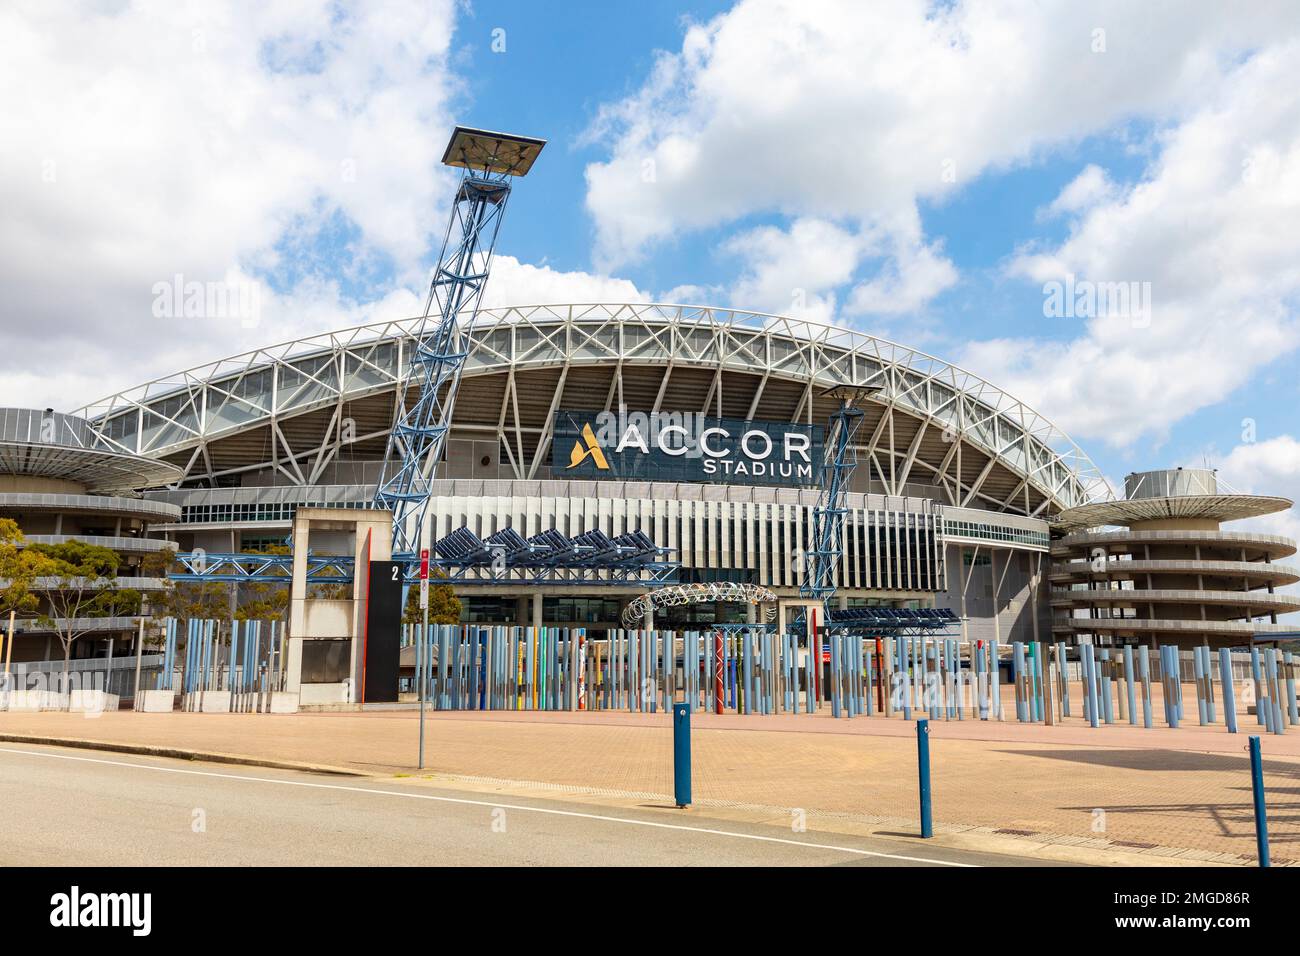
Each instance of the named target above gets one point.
<point>420,652</point>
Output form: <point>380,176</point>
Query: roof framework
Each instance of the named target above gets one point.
<point>293,407</point>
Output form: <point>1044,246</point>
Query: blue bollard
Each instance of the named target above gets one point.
<point>682,754</point>
<point>923,770</point>
<point>1129,690</point>
<point>1255,676</point>
<point>1090,685</point>
<point>1257,786</point>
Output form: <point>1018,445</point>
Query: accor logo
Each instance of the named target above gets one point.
<point>587,447</point>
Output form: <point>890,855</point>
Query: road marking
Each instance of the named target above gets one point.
<point>494,804</point>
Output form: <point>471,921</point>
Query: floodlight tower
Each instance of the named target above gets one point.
<point>837,471</point>
<point>490,162</point>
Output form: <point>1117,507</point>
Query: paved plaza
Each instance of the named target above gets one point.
<point>1121,794</point>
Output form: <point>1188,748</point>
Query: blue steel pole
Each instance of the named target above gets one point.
<point>1128,684</point>
<point>1018,663</point>
<point>682,754</point>
<point>1065,678</point>
<point>1176,677</point>
<point>995,677</point>
<point>835,674</point>
<point>1108,700</point>
<point>1035,682</point>
<point>923,772</point>
<point>1254,673</point>
<point>1289,668</point>
<point>748,699</point>
<point>1198,675</point>
<point>1090,682</point>
<point>1039,704</point>
<point>905,669</point>
<point>1261,812</point>
<point>1211,705</point>
<point>1274,691</point>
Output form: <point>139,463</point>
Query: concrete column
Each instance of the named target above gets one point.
<point>521,610</point>
<point>537,609</point>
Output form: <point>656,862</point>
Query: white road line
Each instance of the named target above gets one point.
<point>493,804</point>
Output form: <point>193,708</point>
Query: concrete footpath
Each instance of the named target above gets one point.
<point>1117,795</point>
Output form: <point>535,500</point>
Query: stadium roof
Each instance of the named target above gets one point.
<point>932,422</point>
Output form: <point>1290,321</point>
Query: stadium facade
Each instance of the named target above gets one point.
<point>957,501</point>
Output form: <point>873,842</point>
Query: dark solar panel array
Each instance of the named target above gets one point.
<point>549,549</point>
<point>893,617</point>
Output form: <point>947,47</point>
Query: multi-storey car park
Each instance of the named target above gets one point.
<point>1156,566</point>
<point>59,480</point>
<point>960,500</point>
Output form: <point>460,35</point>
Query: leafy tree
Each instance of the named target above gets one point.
<point>263,600</point>
<point>444,606</point>
<point>84,586</point>
<point>183,599</point>
<point>19,569</point>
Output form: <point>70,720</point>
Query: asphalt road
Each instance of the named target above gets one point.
<point>80,808</point>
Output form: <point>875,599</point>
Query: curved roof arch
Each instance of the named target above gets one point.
<point>177,417</point>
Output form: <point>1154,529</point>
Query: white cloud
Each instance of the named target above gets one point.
<point>1083,192</point>
<point>1269,467</point>
<point>141,141</point>
<point>1212,230</point>
<point>914,273</point>
<point>519,283</point>
<point>854,113</point>
<point>791,272</point>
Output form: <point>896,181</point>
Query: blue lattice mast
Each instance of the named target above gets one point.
<point>828,516</point>
<point>490,162</point>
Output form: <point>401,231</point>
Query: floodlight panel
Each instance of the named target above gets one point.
<point>494,152</point>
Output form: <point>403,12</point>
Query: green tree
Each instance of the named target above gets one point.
<point>19,569</point>
<point>444,606</point>
<point>83,586</point>
<point>263,600</point>
<point>183,599</point>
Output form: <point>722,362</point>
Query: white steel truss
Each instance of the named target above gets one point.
<point>181,415</point>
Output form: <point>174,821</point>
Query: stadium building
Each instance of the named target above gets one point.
<point>959,493</point>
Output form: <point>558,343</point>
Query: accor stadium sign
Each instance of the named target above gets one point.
<point>684,446</point>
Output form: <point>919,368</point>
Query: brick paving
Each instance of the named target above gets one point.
<point>1162,792</point>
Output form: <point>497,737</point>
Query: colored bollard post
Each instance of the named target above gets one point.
<point>682,754</point>
<point>923,770</point>
<point>1257,786</point>
<point>1090,684</point>
<point>1129,690</point>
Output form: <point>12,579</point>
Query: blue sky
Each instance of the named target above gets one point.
<point>918,171</point>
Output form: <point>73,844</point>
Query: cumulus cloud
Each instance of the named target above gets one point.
<point>1209,236</point>
<point>1270,467</point>
<point>520,283</point>
<point>791,271</point>
<point>853,114</point>
<point>151,140</point>
<point>1083,192</point>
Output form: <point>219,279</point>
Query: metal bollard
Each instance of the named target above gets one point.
<point>1257,786</point>
<point>923,769</point>
<point>682,754</point>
